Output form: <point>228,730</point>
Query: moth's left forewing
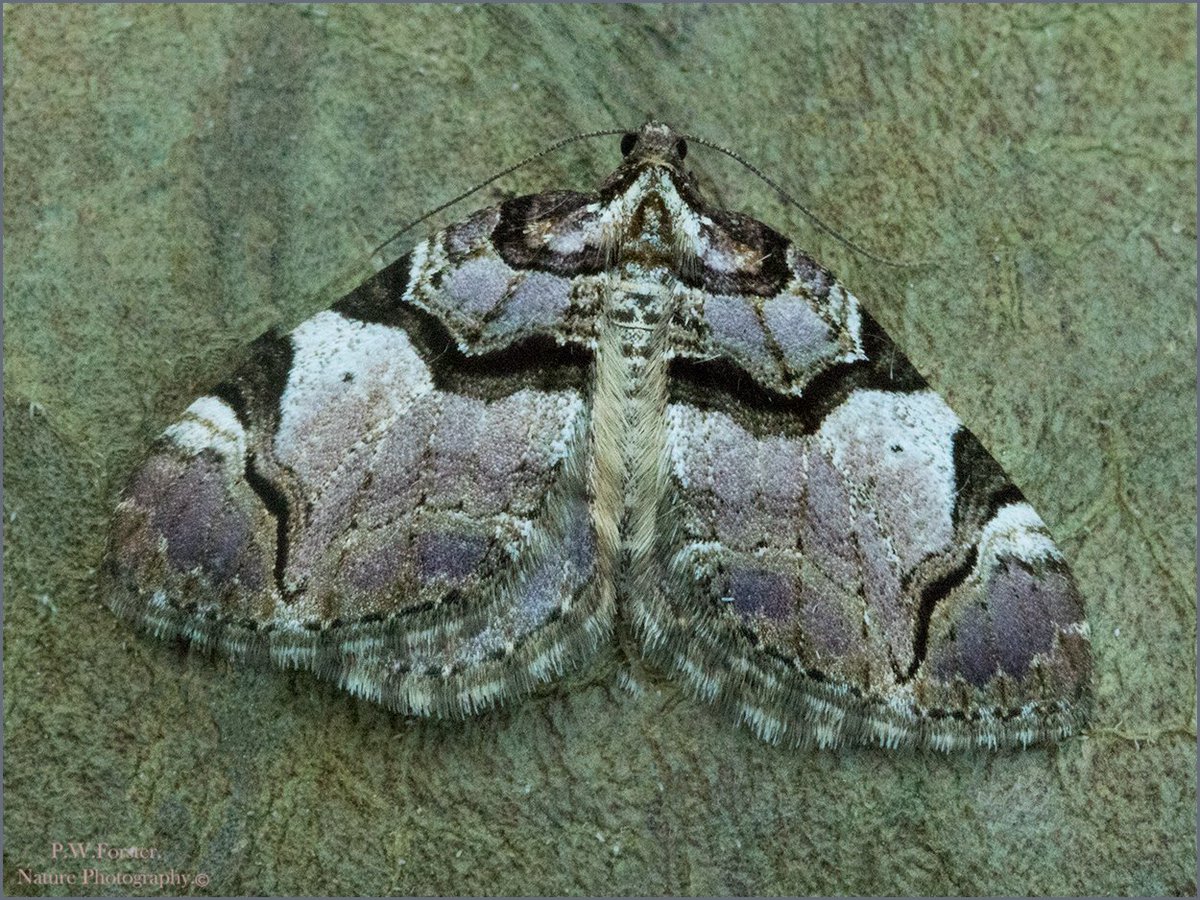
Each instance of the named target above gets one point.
<point>392,495</point>
<point>846,562</point>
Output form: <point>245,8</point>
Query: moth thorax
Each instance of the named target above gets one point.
<point>652,238</point>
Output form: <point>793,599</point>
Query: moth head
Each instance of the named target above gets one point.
<point>652,148</point>
<point>654,144</point>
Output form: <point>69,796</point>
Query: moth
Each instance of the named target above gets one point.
<point>577,417</point>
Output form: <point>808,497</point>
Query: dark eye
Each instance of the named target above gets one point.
<point>681,148</point>
<point>628,142</point>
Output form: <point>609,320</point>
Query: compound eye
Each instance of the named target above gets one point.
<point>681,148</point>
<point>628,142</point>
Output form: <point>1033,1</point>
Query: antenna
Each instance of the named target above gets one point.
<point>809,214</point>
<point>465,194</point>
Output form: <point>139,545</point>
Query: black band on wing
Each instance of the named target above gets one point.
<point>933,594</point>
<point>254,393</point>
<point>538,361</point>
<point>981,487</point>
<point>767,274</point>
<point>276,504</point>
<point>522,245</point>
<point>723,386</point>
<point>254,390</point>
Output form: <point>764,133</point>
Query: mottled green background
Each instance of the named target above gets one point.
<point>177,179</point>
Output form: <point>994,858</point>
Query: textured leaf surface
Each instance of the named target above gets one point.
<point>179,179</point>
